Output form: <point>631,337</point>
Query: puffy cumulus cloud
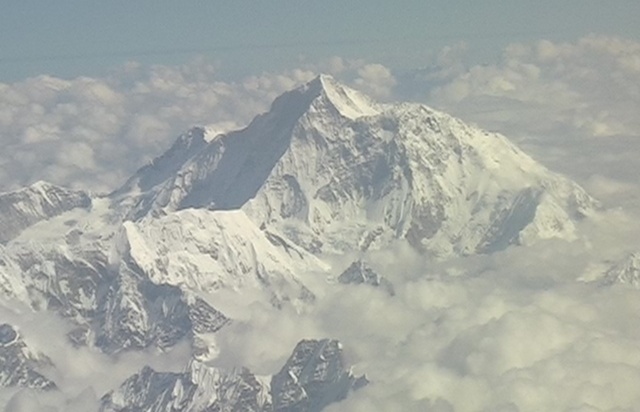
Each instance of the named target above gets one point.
<point>94,132</point>
<point>525,329</point>
<point>571,105</point>
<point>376,80</point>
<point>487,341</point>
<point>26,400</point>
<point>263,339</point>
<point>590,86</point>
<point>616,191</point>
<point>439,70</point>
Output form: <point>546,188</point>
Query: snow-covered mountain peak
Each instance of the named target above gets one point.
<point>164,166</point>
<point>331,170</point>
<point>325,97</point>
<point>22,364</point>
<point>210,250</point>
<point>40,186</point>
<point>214,130</point>
<point>348,102</point>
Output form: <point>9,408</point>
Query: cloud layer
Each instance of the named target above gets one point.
<point>520,330</point>
<point>93,133</point>
<point>572,105</point>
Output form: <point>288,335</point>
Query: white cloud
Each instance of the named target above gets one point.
<point>518,330</point>
<point>376,80</point>
<point>94,132</point>
<point>571,105</point>
<point>510,336</point>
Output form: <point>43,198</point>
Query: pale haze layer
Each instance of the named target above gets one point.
<point>87,38</point>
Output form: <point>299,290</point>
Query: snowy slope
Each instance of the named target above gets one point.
<point>206,250</point>
<point>114,308</point>
<point>133,285</point>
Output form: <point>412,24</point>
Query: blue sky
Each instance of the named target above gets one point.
<point>71,38</point>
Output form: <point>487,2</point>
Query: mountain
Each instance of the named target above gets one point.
<point>114,308</point>
<point>625,272</point>
<point>20,366</point>
<point>40,201</point>
<point>199,388</point>
<point>313,377</point>
<point>331,170</point>
<point>359,273</point>
<point>221,224</point>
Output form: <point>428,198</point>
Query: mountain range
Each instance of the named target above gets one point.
<point>325,171</point>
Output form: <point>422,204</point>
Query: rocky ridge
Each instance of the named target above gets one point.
<point>20,366</point>
<point>314,376</point>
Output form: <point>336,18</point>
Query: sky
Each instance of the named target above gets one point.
<point>72,38</point>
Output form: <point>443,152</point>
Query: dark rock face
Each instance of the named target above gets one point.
<point>137,313</point>
<point>360,273</point>
<point>314,376</point>
<point>204,318</point>
<point>511,221</point>
<point>149,391</point>
<point>115,309</point>
<point>68,284</point>
<point>7,334</point>
<point>40,201</point>
<point>18,367</point>
<point>200,388</point>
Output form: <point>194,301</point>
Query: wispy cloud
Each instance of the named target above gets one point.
<point>571,104</point>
